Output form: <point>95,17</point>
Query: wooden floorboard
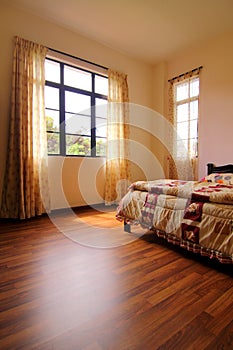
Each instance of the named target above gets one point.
<point>57,293</point>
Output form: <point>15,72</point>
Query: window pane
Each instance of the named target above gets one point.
<point>77,103</point>
<point>52,71</point>
<point>53,143</point>
<point>52,120</point>
<point>182,130</point>
<point>51,97</point>
<point>101,107</point>
<point>182,112</point>
<point>194,110</point>
<point>101,127</point>
<point>193,129</point>
<point>194,87</point>
<point>77,78</point>
<point>101,85</point>
<point>100,147</point>
<point>78,124</point>
<point>182,91</point>
<point>78,145</point>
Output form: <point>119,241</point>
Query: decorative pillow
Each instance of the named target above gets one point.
<point>221,178</point>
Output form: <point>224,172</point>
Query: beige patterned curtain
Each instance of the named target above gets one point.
<point>172,172</point>
<point>117,163</point>
<point>186,167</point>
<point>25,191</point>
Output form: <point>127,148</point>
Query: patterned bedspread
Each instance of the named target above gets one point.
<point>195,215</point>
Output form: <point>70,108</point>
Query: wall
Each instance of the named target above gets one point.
<point>159,136</point>
<point>216,97</point>
<point>16,22</point>
<point>148,94</point>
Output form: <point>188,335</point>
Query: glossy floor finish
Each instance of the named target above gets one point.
<point>58,294</point>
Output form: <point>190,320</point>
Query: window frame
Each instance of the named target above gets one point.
<point>62,88</point>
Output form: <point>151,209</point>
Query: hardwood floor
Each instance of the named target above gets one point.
<point>59,294</point>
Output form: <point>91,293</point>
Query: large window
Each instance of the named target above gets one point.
<point>186,95</point>
<point>76,110</point>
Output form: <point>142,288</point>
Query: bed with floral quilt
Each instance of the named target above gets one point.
<point>196,215</point>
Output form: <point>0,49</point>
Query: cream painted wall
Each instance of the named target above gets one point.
<point>148,94</point>
<point>16,22</point>
<point>216,97</point>
<point>159,137</point>
<point>159,102</point>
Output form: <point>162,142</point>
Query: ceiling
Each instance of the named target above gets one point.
<point>151,30</point>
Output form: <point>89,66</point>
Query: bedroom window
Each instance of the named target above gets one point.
<point>186,95</point>
<point>76,110</point>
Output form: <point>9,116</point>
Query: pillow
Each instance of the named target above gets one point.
<point>221,178</point>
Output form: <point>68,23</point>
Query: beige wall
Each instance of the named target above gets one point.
<point>71,179</point>
<point>159,142</point>
<point>15,22</point>
<point>159,98</point>
<point>216,97</point>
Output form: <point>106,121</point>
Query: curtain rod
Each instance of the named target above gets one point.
<point>77,58</point>
<point>181,75</point>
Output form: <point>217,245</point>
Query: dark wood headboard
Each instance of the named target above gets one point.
<point>211,168</point>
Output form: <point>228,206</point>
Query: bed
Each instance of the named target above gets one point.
<point>195,215</point>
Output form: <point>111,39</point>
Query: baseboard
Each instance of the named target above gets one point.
<point>82,208</point>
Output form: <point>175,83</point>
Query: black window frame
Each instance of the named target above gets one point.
<point>92,94</point>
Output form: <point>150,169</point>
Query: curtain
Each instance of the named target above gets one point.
<point>25,190</point>
<point>184,166</point>
<point>117,152</point>
<point>172,170</point>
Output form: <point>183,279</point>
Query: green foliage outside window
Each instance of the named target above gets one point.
<point>75,144</point>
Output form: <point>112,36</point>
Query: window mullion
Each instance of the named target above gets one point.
<point>187,100</point>
<point>93,117</point>
<point>62,114</point>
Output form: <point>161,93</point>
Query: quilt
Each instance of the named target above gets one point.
<point>197,215</point>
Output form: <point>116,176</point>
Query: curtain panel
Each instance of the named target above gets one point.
<point>25,190</point>
<point>117,152</point>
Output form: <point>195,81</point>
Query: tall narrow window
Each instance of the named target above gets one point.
<point>184,115</point>
<point>76,110</point>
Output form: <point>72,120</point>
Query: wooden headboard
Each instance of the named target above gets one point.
<point>211,168</point>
